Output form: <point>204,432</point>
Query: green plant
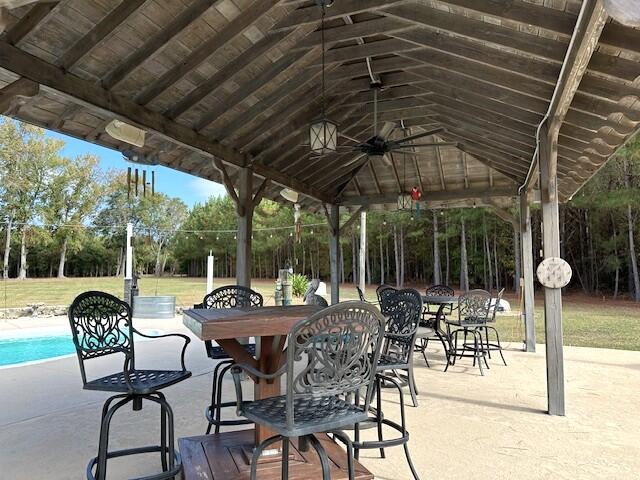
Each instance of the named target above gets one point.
<point>299,284</point>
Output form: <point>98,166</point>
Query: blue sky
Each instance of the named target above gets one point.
<point>189,189</point>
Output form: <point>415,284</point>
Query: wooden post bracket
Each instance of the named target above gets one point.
<point>16,93</point>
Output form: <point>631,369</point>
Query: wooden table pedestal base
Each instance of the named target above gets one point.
<point>224,456</point>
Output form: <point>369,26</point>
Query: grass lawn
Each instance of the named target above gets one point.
<point>588,322</point>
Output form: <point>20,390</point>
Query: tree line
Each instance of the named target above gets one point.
<point>65,216</point>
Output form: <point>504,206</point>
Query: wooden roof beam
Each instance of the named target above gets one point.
<point>233,29</point>
<point>27,24</point>
<point>110,104</point>
<point>353,31</point>
<point>211,84</point>
<point>253,85</point>
<point>311,14</point>
<point>158,41</point>
<point>430,196</point>
<point>583,43</point>
<point>98,33</point>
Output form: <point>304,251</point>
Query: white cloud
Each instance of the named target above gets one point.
<point>203,189</point>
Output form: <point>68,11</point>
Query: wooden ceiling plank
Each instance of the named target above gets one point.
<point>99,32</point>
<point>27,24</point>
<point>311,14</point>
<point>16,93</point>
<point>353,31</point>
<point>388,46</point>
<point>158,41</point>
<point>233,29</point>
<point>211,84</point>
<point>109,104</point>
<point>250,87</point>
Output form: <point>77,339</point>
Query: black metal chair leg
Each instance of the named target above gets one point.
<point>413,390</point>
<point>218,407</point>
<point>476,355</point>
<point>285,458</point>
<point>486,332</point>
<point>403,425</point>
<point>425,344</point>
<point>103,444</point>
<point>209,412</point>
<point>379,413</point>
<point>258,451</point>
<point>340,435</point>
<point>413,469</point>
<point>356,427</point>
<point>322,454</point>
<point>163,436</point>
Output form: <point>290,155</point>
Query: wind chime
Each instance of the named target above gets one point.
<point>408,200</point>
<point>133,179</point>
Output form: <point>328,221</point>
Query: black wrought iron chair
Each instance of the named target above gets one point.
<point>229,296</point>
<point>474,310</point>
<point>384,291</point>
<point>403,310</point>
<point>339,347</point>
<point>428,324</point>
<point>489,345</point>
<point>101,325</point>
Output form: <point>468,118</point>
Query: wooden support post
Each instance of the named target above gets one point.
<point>245,216</point>
<point>548,160</point>
<point>527,274</point>
<point>333,217</point>
<point>363,250</point>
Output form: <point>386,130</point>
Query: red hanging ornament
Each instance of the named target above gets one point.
<point>416,194</point>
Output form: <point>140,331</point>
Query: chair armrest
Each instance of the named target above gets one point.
<point>198,305</point>
<point>186,339</point>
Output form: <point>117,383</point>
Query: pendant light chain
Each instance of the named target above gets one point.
<point>322,41</point>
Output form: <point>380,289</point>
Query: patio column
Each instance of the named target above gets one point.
<point>548,161</point>
<point>527,274</point>
<point>333,217</point>
<point>244,210</point>
<point>362,264</point>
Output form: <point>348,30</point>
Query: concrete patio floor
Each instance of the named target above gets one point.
<point>466,426</point>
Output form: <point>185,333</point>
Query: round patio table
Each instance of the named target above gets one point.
<point>443,301</point>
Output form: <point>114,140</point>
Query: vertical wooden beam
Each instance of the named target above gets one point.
<point>245,217</point>
<point>362,263</point>
<point>526,243</point>
<point>548,161</point>
<point>333,217</point>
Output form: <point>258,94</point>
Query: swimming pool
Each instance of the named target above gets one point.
<point>31,345</point>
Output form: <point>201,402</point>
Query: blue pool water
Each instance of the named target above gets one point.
<point>42,345</point>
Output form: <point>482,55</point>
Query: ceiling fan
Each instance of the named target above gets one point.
<point>379,145</point>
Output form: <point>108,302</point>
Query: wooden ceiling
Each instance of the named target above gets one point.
<point>239,81</point>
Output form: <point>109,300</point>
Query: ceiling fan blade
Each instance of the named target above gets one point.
<point>386,130</point>
<point>356,159</point>
<point>419,135</point>
<point>348,137</point>
<point>434,144</point>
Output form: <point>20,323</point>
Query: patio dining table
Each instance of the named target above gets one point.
<point>443,301</point>
<point>227,455</point>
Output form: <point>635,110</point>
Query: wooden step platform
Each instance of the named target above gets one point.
<point>224,457</point>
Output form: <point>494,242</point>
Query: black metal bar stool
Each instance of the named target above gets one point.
<point>101,325</point>
<point>403,309</point>
<point>230,296</point>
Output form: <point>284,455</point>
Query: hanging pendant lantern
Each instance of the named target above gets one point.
<point>323,133</point>
<point>405,202</point>
<point>323,136</point>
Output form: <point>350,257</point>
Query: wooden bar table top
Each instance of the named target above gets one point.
<point>226,454</point>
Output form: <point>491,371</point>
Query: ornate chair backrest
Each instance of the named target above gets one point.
<point>495,305</point>
<point>382,292</point>
<point>474,306</point>
<point>361,294</point>
<point>100,325</point>
<point>439,291</point>
<point>314,299</point>
<point>232,296</point>
<point>404,312</point>
<point>339,347</point>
